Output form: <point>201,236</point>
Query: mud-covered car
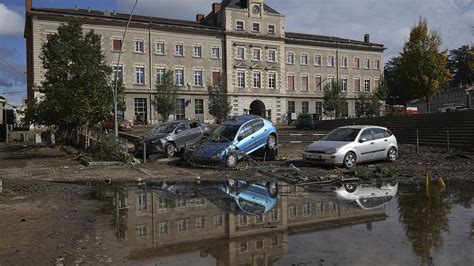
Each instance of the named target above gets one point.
<point>171,137</point>
<point>235,139</point>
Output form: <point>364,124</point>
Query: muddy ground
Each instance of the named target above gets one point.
<point>45,220</point>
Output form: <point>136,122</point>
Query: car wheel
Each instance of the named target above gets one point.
<point>349,160</point>
<point>170,150</point>
<point>271,142</point>
<point>272,188</point>
<point>392,154</point>
<point>231,160</point>
<point>350,187</point>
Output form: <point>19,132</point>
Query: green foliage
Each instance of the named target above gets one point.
<point>166,97</point>
<point>459,64</point>
<point>335,103</point>
<point>422,71</point>
<point>370,104</point>
<point>106,149</point>
<point>77,92</point>
<point>219,105</point>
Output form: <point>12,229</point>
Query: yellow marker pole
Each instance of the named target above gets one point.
<point>441,184</point>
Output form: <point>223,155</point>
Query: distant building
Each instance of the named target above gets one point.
<point>447,100</point>
<point>269,72</point>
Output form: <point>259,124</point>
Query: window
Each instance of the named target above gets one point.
<point>304,83</point>
<point>243,247</point>
<point>255,27</point>
<point>330,61</point>
<point>240,26</point>
<point>200,201</point>
<point>291,107</point>
<point>304,59</point>
<point>317,83</point>
<point>179,77</point>
<point>366,134</point>
<point>118,71</point>
<point>376,84</point>
<point>216,78</point>
<point>198,78</point>
<point>367,85</point>
<point>366,63</point>
<point>356,62</point>
<point>163,228</point>
<point>197,51</point>
<point>181,203</point>
<point>139,46</point>
<point>275,241</point>
<point>344,83</point>
<point>317,60</point>
<point>257,79</point>
<point>305,107</point>
<point>306,209</point>
<point>344,61</point>
<point>319,108</point>
<point>272,80</point>
<point>240,79</point>
<point>259,218</point>
<point>356,84</point>
<point>292,211</point>
<point>377,64</point>
<point>160,48</point>
<point>271,55</point>
<point>218,220</point>
<point>140,75</point>
<point>160,75</point>
<point>199,106</point>
<point>290,59</point>
<point>142,202</point>
<point>330,81</point>
<point>243,219</point>
<point>179,50</point>
<point>240,53</point>
<point>141,230</point>
<point>140,108</point>
<point>259,244</point>
<point>256,55</point>
<point>200,223</point>
<point>319,207</point>
<point>378,133</point>
<point>291,82</point>
<point>275,215</point>
<point>162,203</point>
<point>117,45</point>
<point>215,52</point>
<point>271,29</point>
<point>181,225</point>
<point>180,112</point>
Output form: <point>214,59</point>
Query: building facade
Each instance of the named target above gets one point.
<point>268,71</point>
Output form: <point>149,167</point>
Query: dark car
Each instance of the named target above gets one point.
<point>307,121</point>
<point>235,138</point>
<point>171,137</point>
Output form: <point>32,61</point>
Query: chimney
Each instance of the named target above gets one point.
<point>367,38</point>
<point>216,7</point>
<point>199,17</point>
<point>28,5</point>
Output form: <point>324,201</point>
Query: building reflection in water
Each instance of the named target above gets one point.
<point>156,223</point>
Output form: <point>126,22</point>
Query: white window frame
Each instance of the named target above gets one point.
<point>198,83</point>
<point>292,54</point>
<point>304,55</point>
<point>259,27</point>
<point>237,25</point>
<point>176,77</point>
<point>269,59</point>
<point>376,63</point>
<point>365,84</point>
<point>320,82</point>
<point>240,48</point>
<point>259,79</point>
<point>344,62</point>
<point>213,55</point>
<point>136,46</point>
<point>330,80</point>
<point>163,228</point>
<point>344,85</point>
<point>259,54</point>
<point>318,60</point>
<point>274,29</point>
<point>330,61</point>
<point>272,80</point>
<point>136,79</point>
<point>156,48</point>
<point>176,49</point>
<point>240,84</point>
<point>354,61</point>
<point>197,48</point>
<point>121,73</point>
<point>366,63</point>
<point>159,81</point>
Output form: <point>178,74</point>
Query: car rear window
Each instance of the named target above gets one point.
<point>378,133</point>
<point>388,133</point>
<point>257,124</point>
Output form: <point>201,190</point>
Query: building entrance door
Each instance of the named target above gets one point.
<point>257,107</point>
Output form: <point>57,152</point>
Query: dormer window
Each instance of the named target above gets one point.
<point>271,29</point>
<point>256,27</point>
<point>240,26</point>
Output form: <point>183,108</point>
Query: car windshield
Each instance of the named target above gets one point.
<point>164,128</point>
<point>225,133</point>
<point>342,134</point>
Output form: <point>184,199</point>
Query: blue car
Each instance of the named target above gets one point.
<point>234,139</point>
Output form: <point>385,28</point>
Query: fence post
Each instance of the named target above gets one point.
<point>144,152</point>
<point>447,139</point>
<point>417,142</point>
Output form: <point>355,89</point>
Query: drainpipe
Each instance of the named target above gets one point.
<point>337,61</point>
<point>150,70</point>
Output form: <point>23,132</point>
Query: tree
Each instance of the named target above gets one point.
<point>219,105</point>
<point>396,94</point>
<point>459,65</point>
<point>167,95</point>
<point>77,95</point>
<point>422,71</point>
<point>335,104</point>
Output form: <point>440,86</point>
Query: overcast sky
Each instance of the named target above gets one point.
<point>387,21</point>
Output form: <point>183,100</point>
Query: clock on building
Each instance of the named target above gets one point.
<point>256,9</point>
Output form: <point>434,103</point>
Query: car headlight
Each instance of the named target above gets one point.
<point>333,150</point>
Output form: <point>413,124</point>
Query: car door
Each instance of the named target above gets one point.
<point>244,137</point>
<point>381,143</point>
<point>195,132</point>
<point>260,135</point>
<point>181,135</point>
<point>366,148</point>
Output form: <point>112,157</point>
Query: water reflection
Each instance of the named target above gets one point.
<point>231,222</point>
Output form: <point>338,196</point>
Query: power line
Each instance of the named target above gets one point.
<point>12,67</point>
<point>12,92</point>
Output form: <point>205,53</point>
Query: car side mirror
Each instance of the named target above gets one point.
<point>362,140</point>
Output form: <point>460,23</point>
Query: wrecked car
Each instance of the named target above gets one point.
<point>235,139</point>
<point>172,137</point>
<point>367,196</point>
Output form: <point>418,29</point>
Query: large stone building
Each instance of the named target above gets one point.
<point>268,71</point>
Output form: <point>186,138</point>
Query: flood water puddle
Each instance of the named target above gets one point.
<point>242,222</point>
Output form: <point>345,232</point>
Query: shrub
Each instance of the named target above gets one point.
<point>106,148</point>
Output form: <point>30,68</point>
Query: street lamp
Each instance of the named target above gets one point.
<point>116,73</point>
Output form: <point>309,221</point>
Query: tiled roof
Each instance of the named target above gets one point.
<point>302,36</point>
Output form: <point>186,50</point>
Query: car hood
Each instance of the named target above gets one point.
<point>323,145</point>
<point>212,148</point>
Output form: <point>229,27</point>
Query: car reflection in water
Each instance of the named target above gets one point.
<point>367,196</point>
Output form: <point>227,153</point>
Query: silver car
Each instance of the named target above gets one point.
<point>171,137</point>
<point>367,196</point>
<point>349,145</point>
